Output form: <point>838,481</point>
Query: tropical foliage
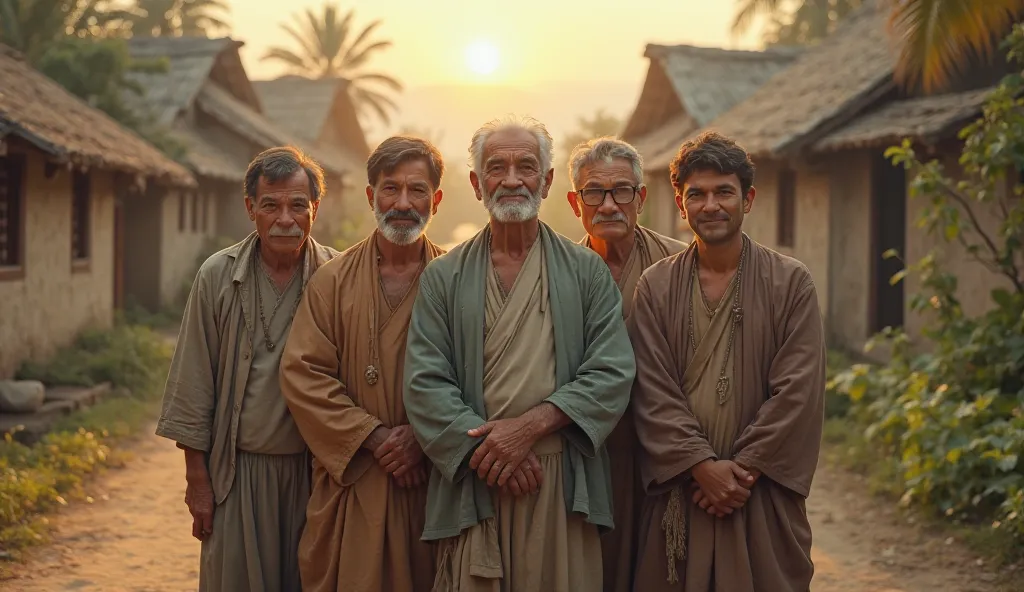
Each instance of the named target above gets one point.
<point>330,45</point>
<point>937,38</point>
<point>953,418</point>
<point>171,18</point>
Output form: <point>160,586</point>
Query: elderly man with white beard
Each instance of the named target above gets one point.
<point>342,377</point>
<point>518,366</point>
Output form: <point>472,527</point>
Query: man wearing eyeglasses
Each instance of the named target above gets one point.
<point>609,193</point>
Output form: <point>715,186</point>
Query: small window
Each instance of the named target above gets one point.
<point>786,227</point>
<point>204,225</point>
<point>182,211</point>
<point>80,219</point>
<point>12,169</point>
<point>195,212</point>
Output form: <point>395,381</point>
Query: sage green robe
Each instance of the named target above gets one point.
<point>594,368</point>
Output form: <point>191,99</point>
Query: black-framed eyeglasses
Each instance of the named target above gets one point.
<point>621,195</point>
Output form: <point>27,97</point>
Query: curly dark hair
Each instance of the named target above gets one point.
<point>281,162</point>
<point>398,149</point>
<point>712,151</point>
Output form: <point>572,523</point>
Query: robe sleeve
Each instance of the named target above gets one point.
<point>597,398</point>
<point>330,422</point>
<point>439,416</point>
<point>190,393</point>
<point>671,438</point>
<point>784,439</point>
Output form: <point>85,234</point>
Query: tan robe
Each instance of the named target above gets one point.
<point>222,397</point>
<point>619,545</point>
<point>533,542</point>
<point>771,421</point>
<point>363,530</point>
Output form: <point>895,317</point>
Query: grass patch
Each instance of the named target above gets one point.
<point>37,479</point>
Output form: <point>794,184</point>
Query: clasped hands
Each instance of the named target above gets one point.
<point>398,453</point>
<point>505,458</point>
<point>721,486</point>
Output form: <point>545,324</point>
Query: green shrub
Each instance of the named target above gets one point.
<point>38,478</point>
<point>129,356</point>
<point>954,417</point>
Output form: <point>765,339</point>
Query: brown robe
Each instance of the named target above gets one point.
<point>777,396</point>
<point>362,530</point>
<point>619,545</point>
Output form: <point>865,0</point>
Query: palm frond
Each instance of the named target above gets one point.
<point>384,79</point>
<point>936,38</point>
<point>378,103</point>
<point>311,53</point>
<point>288,57</point>
<point>353,61</point>
<point>363,35</point>
<point>750,10</point>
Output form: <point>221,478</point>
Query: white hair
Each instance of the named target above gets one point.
<point>604,149</point>
<point>544,141</point>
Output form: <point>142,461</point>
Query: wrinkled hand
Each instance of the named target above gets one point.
<point>400,453</point>
<point>526,478</point>
<point>724,483</point>
<point>705,504</point>
<point>506,445</point>
<point>417,476</point>
<point>199,499</point>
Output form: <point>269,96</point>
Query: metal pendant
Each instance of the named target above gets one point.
<point>371,374</point>
<point>737,315</point>
<point>722,389</point>
<point>270,346</point>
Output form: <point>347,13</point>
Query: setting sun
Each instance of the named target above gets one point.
<point>482,57</point>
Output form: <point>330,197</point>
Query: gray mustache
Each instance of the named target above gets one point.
<point>293,231</point>
<point>617,217</point>
<point>406,215</point>
<point>503,192</point>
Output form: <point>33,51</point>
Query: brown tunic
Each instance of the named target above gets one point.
<point>363,530</point>
<point>777,397</point>
<point>619,545</point>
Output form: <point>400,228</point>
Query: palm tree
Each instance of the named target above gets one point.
<point>936,37</point>
<point>32,26</point>
<point>328,48</point>
<point>172,18</point>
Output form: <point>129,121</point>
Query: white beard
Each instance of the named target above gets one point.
<point>402,236</point>
<point>507,212</point>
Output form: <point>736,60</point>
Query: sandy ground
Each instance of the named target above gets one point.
<point>136,536</point>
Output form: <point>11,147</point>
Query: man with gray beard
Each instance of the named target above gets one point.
<point>342,377</point>
<point>518,368</point>
<point>608,195</point>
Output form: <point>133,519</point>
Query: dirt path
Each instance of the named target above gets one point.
<point>137,539</point>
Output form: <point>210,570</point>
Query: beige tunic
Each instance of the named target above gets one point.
<point>619,545</point>
<point>771,421</point>
<point>532,543</point>
<point>363,530</point>
<point>223,397</point>
<point>209,371</point>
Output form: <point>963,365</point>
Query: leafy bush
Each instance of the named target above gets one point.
<point>128,356</point>
<point>35,479</point>
<point>954,416</point>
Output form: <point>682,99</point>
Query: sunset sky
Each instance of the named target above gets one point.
<point>463,62</point>
<point>536,40</point>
